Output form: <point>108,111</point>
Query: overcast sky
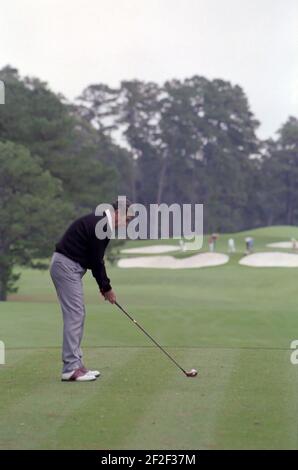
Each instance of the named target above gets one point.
<point>72,43</point>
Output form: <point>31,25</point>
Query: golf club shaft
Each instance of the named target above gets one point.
<point>150,337</point>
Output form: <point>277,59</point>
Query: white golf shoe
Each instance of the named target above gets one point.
<point>96,373</point>
<point>79,375</point>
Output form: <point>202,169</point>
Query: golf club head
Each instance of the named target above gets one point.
<point>191,373</point>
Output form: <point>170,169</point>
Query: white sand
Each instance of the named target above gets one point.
<point>200,260</point>
<point>271,260</point>
<point>152,249</point>
<point>281,245</point>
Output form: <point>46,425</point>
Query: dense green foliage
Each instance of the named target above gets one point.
<point>195,141</point>
<point>54,166</point>
<point>31,211</point>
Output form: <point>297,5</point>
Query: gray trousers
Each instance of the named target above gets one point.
<point>67,278</point>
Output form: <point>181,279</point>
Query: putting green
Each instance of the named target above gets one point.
<point>232,323</point>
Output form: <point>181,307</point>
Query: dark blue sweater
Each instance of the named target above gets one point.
<point>80,244</point>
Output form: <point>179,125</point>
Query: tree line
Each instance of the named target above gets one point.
<point>184,141</point>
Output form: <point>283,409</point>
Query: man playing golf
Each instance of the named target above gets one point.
<point>80,249</point>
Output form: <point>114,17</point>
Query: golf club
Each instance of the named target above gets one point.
<point>191,373</point>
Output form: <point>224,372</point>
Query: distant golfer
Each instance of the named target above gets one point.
<point>249,241</point>
<point>231,245</point>
<point>212,241</point>
<point>211,244</point>
<point>182,245</point>
<point>78,250</point>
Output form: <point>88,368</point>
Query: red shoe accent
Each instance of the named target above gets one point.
<point>78,373</point>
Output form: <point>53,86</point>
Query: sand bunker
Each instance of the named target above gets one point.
<point>271,260</point>
<point>153,249</point>
<point>281,245</point>
<point>200,260</point>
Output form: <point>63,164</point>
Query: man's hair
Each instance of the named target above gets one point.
<point>120,204</point>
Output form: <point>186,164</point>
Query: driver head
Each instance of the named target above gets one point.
<point>192,373</point>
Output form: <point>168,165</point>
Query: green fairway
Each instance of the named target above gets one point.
<point>232,323</point>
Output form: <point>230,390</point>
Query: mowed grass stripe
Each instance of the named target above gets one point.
<point>185,413</point>
<point>131,385</point>
<point>35,403</point>
<point>259,406</point>
<point>237,324</point>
